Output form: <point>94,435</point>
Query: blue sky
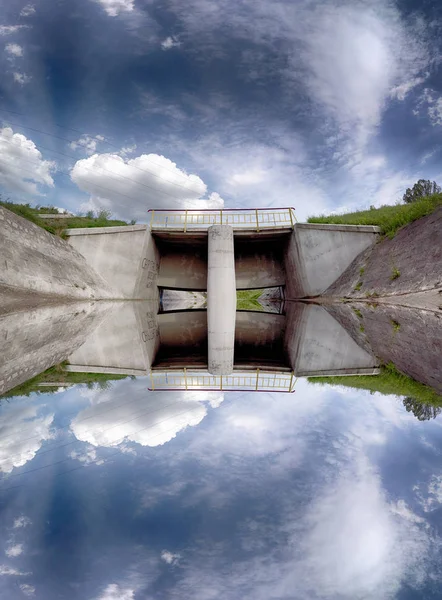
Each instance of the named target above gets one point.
<point>197,103</point>
<point>325,494</point>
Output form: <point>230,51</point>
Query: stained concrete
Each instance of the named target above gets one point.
<point>35,340</point>
<point>35,262</point>
<point>317,344</point>
<point>318,254</point>
<point>409,263</point>
<point>125,257</point>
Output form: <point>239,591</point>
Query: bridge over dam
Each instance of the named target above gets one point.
<point>123,270</point>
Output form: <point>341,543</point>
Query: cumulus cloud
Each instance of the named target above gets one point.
<point>21,78</point>
<point>27,10</point>
<point>151,422</point>
<point>23,432</point>
<point>115,7</point>
<point>114,592</point>
<point>14,49</point>
<point>130,186</point>
<point>22,166</point>
<point>14,550</point>
<point>88,142</point>
<point>170,42</point>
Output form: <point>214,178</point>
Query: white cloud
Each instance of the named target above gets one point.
<point>21,521</point>
<point>87,457</point>
<point>128,150</point>
<point>14,550</point>
<point>170,558</point>
<point>151,422</point>
<point>14,49</point>
<point>28,590</point>
<point>9,29</point>
<point>88,142</point>
<point>170,42</point>
<point>114,592</point>
<point>130,186</point>
<point>115,7</point>
<point>22,166</point>
<point>400,91</point>
<point>27,10</point>
<point>23,433</point>
<point>6,570</point>
<point>21,78</point>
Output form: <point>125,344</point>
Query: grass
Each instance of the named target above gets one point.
<point>396,326</point>
<point>91,219</point>
<point>388,218</point>
<point>358,286</point>
<point>395,273</point>
<point>57,374</point>
<point>389,382</point>
<point>357,312</point>
<point>248,300</point>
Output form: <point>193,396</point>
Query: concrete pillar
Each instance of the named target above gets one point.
<point>221,299</point>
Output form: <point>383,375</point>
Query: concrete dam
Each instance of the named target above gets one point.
<point>106,285</point>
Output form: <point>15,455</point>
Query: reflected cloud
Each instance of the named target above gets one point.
<point>23,432</point>
<point>147,419</point>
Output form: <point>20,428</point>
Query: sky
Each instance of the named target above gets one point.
<point>118,494</point>
<point>128,105</point>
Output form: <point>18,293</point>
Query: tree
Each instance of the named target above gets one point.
<point>421,410</point>
<point>422,188</point>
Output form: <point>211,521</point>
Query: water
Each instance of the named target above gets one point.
<point>325,493</point>
<point>110,491</point>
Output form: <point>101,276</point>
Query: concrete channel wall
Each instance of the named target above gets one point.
<point>317,254</point>
<point>34,262</point>
<point>126,257</point>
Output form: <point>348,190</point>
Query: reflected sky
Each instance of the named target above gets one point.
<point>327,493</point>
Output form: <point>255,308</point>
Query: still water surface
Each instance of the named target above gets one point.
<point>124,494</point>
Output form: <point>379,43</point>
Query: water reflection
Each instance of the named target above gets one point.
<point>111,491</point>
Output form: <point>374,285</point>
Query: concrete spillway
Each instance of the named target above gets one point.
<point>221,300</point>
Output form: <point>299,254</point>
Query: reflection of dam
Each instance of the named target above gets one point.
<point>217,252</point>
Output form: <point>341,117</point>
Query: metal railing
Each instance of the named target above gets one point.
<point>253,381</point>
<point>255,219</point>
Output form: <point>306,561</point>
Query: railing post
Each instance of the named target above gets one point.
<point>291,217</point>
<point>151,219</point>
<point>257,220</point>
<point>221,383</point>
<point>257,380</point>
<point>185,223</point>
<point>221,217</point>
<point>152,381</point>
<point>185,377</point>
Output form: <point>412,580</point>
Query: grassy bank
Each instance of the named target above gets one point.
<point>389,382</point>
<point>57,374</point>
<point>248,300</point>
<point>388,218</point>
<point>58,226</point>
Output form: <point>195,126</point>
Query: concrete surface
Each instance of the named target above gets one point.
<point>182,300</point>
<point>318,345</point>
<point>221,300</point>
<point>34,261</point>
<point>126,341</point>
<point>409,263</point>
<point>35,340</point>
<point>408,337</point>
<point>126,257</point>
<point>259,262</point>
<point>318,254</point>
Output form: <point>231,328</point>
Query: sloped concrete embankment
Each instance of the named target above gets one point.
<point>410,263</point>
<point>408,337</point>
<point>36,263</point>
